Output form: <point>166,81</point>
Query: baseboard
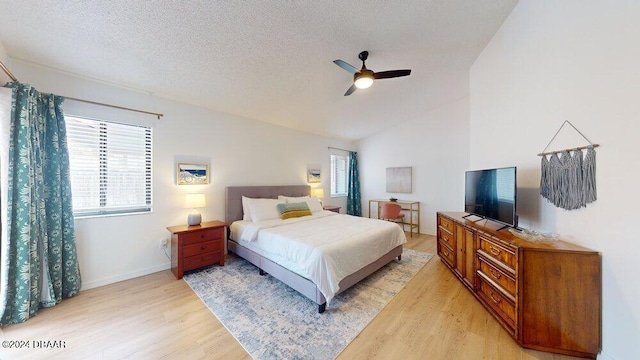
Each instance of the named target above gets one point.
<point>114,279</point>
<point>605,356</point>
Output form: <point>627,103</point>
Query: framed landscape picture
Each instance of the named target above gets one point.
<point>313,176</point>
<point>192,173</point>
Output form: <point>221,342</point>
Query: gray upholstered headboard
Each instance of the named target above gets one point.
<point>234,194</point>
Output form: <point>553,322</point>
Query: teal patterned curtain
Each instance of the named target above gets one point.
<point>41,263</point>
<point>354,205</point>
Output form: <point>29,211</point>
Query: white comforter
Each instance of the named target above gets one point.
<point>325,247</point>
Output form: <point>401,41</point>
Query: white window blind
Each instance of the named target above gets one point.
<point>110,167</point>
<point>505,184</point>
<point>339,173</point>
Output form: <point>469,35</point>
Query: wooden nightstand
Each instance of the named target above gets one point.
<point>193,247</point>
<point>335,209</point>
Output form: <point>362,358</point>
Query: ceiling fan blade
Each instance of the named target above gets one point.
<point>350,68</point>
<point>350,90</point>
<point>391,74</point>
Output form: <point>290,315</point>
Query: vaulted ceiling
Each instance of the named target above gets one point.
<point>267,60</point>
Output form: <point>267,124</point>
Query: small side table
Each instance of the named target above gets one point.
<point>193,247</point>
<point>335,209</point>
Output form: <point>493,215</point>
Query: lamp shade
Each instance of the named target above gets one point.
<point>317,192</point>
<point>194,201</point>
<point>363,79</point>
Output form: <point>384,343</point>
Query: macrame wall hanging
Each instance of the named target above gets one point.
<point>568,177</point>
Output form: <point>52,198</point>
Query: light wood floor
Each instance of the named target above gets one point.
<point>158,317</point>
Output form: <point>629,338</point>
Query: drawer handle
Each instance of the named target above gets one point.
<point>495,274</point>
<point>495,300</point>
<point>494,251</point>
<point>445,253</point>
<point>202,247</point>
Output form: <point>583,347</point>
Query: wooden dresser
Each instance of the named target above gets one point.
<point>193,247</point>
<point>548,296</point>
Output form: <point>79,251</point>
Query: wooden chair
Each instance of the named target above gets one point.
<point>392,212</point>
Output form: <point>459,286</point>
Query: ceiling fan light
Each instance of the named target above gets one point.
<point>363,81</point>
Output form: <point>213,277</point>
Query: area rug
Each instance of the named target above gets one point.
<point>272,321</point>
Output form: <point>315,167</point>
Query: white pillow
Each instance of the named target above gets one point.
<point>245,208</point>
<point>314,204</point>
<point>292,199</point>
<point>264,209</point>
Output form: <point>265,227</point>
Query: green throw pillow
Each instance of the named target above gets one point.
<point>293,210</point>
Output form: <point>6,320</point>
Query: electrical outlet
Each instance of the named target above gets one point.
<point>163,243</point>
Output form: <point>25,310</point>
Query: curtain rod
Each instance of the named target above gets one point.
<point>575,148</point>
<point>115,107</point>
<point>6,71</point>
<point>335,148</point>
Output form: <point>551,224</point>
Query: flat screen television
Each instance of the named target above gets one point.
<point>491,194</point>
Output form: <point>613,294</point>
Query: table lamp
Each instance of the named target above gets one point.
<point>318,193</point>
<point>194,201</point>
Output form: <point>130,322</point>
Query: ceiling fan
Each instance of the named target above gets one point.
<point>363,78</point>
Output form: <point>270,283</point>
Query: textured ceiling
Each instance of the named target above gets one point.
<point>265,60</point>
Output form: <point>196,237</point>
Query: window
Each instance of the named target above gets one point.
<point>110,167</point>
<point>505,184</point>
<point>339,173</point>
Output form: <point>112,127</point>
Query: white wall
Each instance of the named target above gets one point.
<point>579,61</point>
<point>240,152</point>
<point>436,146</point>
<point>4,57</point>
<point>3,54</point>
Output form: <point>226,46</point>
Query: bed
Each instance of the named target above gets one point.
<point>267,260</point>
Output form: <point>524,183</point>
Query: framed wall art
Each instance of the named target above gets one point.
<point>192,173</point>
<point>313,176</point>
<point>399,180</point>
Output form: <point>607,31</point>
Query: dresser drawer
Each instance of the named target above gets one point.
<point>446,237</point>
<point>197,261</point>
<point>504,280</point>
<point>445,223</point>
<point>497,252</point>
<point>195,237</point>
<point>203,247</point>
<point>498,302</point>
<point>446,253</point>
